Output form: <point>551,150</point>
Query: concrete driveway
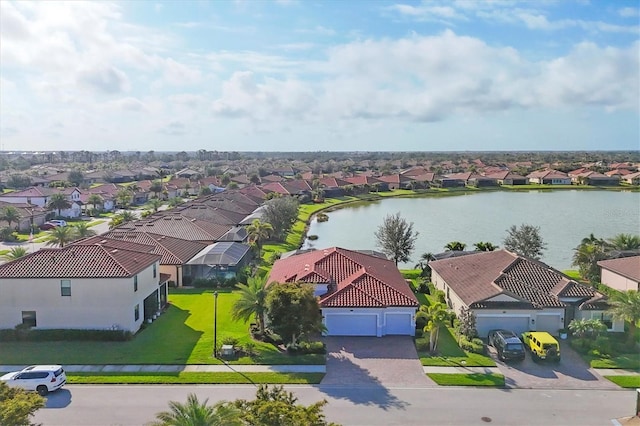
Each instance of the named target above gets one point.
<point>571,373</point>
<point>374,361</point>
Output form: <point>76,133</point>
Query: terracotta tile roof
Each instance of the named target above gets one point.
<point>35,191</point>
<point>179,227</point>
<point>174,251</point>
<point>628,267</point>
<point>332,182</point>
<point>79,261</point>
<point>359,280</point>
<point>548,174</point>
<point>207,213</point>
<point>396,178</point>
<point>362,179</point>
<point>475,278</point>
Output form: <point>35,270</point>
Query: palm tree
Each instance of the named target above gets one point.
<point>155,204</point>
<point>436,316</point>
<point>120,218</point>
<point>124,197</point>
<point>625,306</point>
<point>455,246</point>
<point>95,200</point>
<point>83,231</point>
<point>625,242</point>
<point>61,235</point>
<point>10,214</point>
<point>252,301</point>
<point>15,253</point>
<point>482,246</point>
<point>196,413</point>
<point>586,258</point>
<point>258,232</point>
<point>58,201</point>
<point>156,187</point>
<point>423,263</point>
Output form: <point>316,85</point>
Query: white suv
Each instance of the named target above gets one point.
<point>40,378</point>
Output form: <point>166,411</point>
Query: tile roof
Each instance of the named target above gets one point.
<point>476,278</point>
<point>178,227</point>
<point>79,261</point>
<point>358,279</point>
<point>174,251</point>
<point>628,267</point>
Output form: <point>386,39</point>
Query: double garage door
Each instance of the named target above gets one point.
<point>367,324</point>
<point>486,323</point>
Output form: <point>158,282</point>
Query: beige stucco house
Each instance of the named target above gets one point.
<point>82,287</point>
<point>622,274</point>
<point>508,291</point>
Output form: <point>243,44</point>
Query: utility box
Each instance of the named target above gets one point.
<point>227,351</point>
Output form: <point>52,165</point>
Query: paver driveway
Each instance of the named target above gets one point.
<point>374,361</point>
<point>571,373</point>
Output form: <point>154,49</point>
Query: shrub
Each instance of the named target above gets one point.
<point>475,346</point>
<point>229,340</point>
<point>205,283</point>
<point>440,296</point>
<point>172,283</point>
<point>273,338</point>
<point>424,288</point>
<point>432,287</point>
<point>249,349</point>
<point>419,332</point>
<point>422,345</point>
<point>53,335</point>
<point>312,237</point>
<point>187,280</point>
<point>312,348</point>
<point>322,217</point>
<point>580,344</point>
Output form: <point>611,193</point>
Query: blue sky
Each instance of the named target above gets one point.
<point>320,75</point>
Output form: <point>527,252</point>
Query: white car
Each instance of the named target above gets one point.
<point>40,378</point>
<point>58,222</point>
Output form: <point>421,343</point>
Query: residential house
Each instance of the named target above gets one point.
<point>621,274</point>
<point>364,182</point>
<point>397,181</point>
<point>30,215</point>
<point>175,252</point>
<point>589,177</point>
<point>632,178</point>
<point>187,173</point>
<point>506,177</point>
<point>178,226</point>
<point>505,290</point>
<point>360,294</point>
<point>82,287</point>
<point>549,177</point>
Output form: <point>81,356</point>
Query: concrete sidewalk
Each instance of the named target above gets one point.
<point>496,370</point>
<point>156,368</point>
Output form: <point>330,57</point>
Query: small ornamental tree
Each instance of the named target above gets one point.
<point>525,241</point>
<point>467,327</point>
<point>293,311</point>
<point>396,238</point>
<point>18,405</point>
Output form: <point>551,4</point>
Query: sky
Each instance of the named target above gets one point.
<point>294,75</point>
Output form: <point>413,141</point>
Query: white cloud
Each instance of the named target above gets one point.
<point>105,79</point>
<point>629,12</point>
<point>317,30</point>
<point>179,74</point>
<point>128,104</point>
<point>188,99</point>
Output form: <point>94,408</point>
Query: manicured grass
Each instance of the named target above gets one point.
<point>625,361</point>
<point>573,274</point>
<point>625,381</point>
<point>195,378</point>
<point>474,379</point>
<point>95,222</point>
<point>182,335</point>
<point>450,354</point>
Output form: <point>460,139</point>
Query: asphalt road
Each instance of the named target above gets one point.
<point>137,405</point>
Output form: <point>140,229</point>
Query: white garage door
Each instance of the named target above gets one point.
<point>515,324</point>
<point>351,325</point>
<point>399,324</point>
<point>548,323</point>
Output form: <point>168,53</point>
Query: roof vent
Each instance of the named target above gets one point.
<point>306,267</point>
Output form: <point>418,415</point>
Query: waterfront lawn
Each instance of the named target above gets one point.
<point>450,354</point>
<point>194,378</point>
<point>625,381</point>
<point>473,379</point>
<point>182,335</point>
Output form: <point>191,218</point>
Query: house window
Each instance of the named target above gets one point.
<point>605,317</point>
<point>155,271</point>
<point>135,283</point>
<point>29,318</point>
<point>65,287</point>
<point>136,312</point>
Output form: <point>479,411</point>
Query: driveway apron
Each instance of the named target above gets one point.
<point>571,373</point>
<point>374,361</point>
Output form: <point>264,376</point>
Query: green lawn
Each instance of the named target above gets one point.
<point>450,354</point>
<point>182,335</point>
<point>625,381</point>
<point>626,361</point>
<point>195,378</point>
<point>474,379</point>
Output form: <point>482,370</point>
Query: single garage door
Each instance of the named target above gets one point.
<point>486,323</point>
<point>399,324</point>
<point>351,324</point>
<point>548,323</point>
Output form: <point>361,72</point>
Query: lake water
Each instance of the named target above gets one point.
<point>564,218</point>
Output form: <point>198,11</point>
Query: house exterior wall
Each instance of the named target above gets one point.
<point>175,272</point>
<point>617,325</point>
<point>379,312</point>
<point>613,280</point>
<point>454,302</point>
<point>94,303</point>
<point>36,201</point>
